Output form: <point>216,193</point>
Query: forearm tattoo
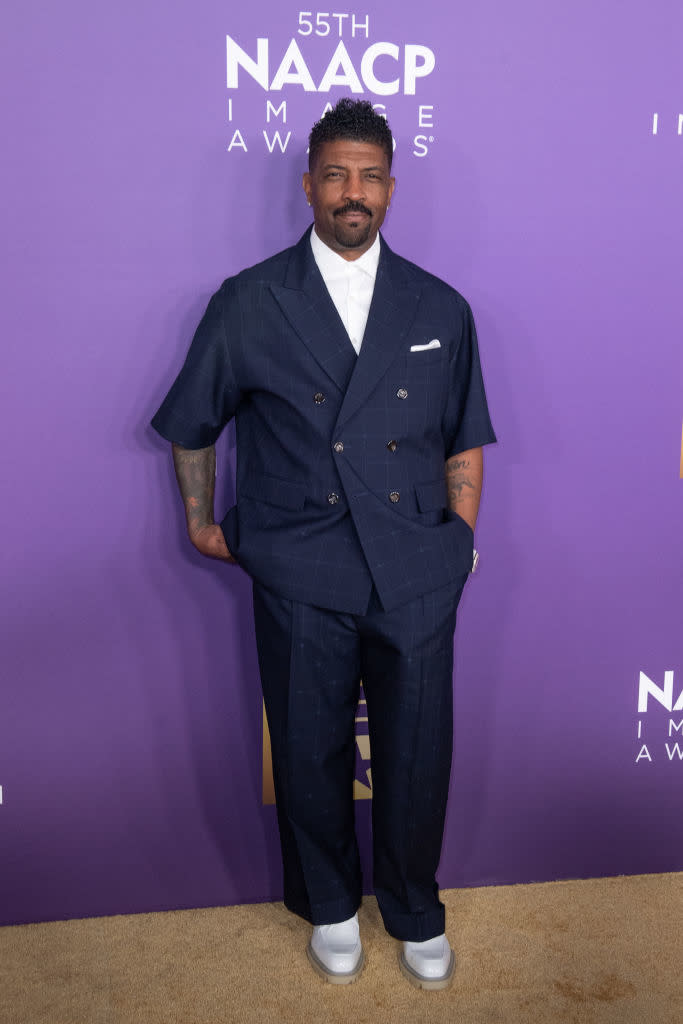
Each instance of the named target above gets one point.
<point>459,481</point>
<point>195,471</point>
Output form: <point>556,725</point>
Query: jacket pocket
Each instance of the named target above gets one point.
<point>274,491</point>
<point>431,496</point>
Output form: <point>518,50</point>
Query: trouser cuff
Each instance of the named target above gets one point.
<point>415,927</point>
<point>325,913</point>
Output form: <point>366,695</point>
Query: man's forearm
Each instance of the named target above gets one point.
<point>195,472</point>
<point>464,474</point>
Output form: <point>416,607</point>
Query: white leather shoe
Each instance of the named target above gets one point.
<point>335,951</point>
<point>428,964</point>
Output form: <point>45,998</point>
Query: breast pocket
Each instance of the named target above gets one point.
<point>425,355</point>
<point>427,367</point>
<point>423,391</point>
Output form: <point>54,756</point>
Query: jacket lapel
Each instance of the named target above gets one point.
<point>307,305</point>
<point>392,311</point>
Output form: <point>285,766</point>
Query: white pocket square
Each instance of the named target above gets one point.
<point>434,343</point>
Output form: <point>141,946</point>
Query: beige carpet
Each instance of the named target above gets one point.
<point>609,950</point>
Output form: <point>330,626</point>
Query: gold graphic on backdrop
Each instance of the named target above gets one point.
<point>268,784</point>
<point>362,783</point>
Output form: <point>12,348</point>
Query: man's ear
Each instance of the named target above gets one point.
<point>306,182</point>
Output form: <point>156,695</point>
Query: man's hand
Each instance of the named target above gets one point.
<point>209,540</point>
<point>195,471</point>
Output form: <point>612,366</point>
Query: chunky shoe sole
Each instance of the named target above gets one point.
<point>419,981</point>
<point>334,977</point>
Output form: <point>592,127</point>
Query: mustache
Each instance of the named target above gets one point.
<point>352,207</point>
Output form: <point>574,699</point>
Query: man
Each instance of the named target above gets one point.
<point>360,414</point>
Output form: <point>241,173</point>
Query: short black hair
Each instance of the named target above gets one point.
<point>350,119</point>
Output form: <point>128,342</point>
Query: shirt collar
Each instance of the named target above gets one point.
<point>331,264</point>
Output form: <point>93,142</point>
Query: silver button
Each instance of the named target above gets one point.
<point>318,398</point>
<point>338,447</point>
<point>332,498</point>
<point>394,496</point>
<point>401,393</point>
<point>392,446</point>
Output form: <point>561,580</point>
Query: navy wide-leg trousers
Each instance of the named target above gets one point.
<point>311,662</point>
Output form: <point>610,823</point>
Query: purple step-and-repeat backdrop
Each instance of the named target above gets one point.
<point>152,149</point>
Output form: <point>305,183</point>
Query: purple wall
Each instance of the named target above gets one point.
<point>130,714</point>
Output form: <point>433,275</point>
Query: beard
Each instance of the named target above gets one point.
<point>352,236</point>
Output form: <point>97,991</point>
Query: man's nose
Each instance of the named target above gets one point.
<point>354,188</point>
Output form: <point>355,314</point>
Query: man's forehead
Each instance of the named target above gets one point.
<point>352,151</point>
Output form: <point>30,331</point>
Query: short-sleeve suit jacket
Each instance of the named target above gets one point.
<point>340,458</point>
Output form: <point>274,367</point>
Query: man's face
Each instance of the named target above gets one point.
<point>349,189</point>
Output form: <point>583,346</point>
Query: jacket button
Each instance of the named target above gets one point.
<point>332,498</point>
<point>318,398</point>
<point>394,496</point>
<point>392,446</point>
<point>338,447</point>
<point>401,393</point>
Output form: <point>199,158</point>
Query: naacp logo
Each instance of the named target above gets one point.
<point>660,732</point>
<point>667,124</point>
<point>325,51</point>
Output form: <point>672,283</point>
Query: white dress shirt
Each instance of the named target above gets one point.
<point>350,284</point>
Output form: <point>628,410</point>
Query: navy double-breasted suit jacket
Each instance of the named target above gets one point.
<point>340,458</point>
